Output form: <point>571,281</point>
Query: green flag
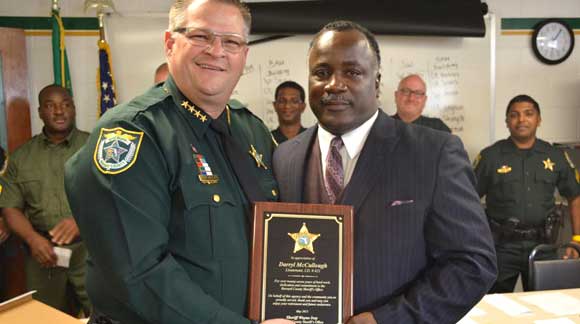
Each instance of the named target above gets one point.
<point>59,60</point>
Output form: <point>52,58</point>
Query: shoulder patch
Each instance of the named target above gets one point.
<point>116,150</point>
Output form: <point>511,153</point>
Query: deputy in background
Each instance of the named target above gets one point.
<point>34,205</point>
<point>410,98</point>
<point>174,174</point>
<point>518,176</point>
<point>289,105</point>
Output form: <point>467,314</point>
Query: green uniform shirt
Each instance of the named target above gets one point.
<point>521,183</point>
<point>280,138</point>
<point>34,179</point>
<point>430,122</point>
<point>162,214</point>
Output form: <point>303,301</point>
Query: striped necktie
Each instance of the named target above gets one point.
<point>334,175</point>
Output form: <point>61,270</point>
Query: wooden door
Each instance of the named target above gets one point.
<point>15,110</point>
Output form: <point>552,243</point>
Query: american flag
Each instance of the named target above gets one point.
<point>105,80</point>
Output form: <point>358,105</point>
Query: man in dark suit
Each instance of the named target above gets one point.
<point>423,251</point>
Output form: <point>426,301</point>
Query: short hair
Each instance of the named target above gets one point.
<point>346,25</point>
<point>177,13</point>
<point>50,88</point>
<point>290,84</point>
<point>523,98</point>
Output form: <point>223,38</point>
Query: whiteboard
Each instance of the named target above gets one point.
<point>456,70</point>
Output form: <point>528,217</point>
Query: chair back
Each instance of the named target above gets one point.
<point>553,274</point>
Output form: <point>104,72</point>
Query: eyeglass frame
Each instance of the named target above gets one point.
<point>212,36</point>
<point>418,94</point>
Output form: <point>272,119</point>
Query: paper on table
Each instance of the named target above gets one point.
<point>506,305</point>
<point>563,320</point>
<point>473,312</point>
<point>556,303</point>
<point>466,320</point>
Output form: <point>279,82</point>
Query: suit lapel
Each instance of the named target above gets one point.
<point>381,141</point>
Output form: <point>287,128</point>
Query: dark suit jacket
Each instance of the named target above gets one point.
<point>423,250</point>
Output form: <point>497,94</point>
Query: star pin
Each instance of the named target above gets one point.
<point>549,165</point>
<point>258,157</point>
<point>304,239</point>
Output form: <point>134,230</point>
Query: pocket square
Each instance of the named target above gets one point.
<point>401,202</point>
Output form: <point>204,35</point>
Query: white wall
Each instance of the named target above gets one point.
<point>556,88</point>
<point>136,43</point>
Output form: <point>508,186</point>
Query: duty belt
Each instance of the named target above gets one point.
<point>512,231</point>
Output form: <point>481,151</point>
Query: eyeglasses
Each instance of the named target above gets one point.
<point>293,102</point>
<point>232,43</point>
<point>415,93</point>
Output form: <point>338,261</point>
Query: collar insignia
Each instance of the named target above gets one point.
<point>304,239</point>
<point>476,161</point>
<point>194,111</point>
<point>117,150</point>
<point>504,169</point>
<point>258,157</point>
<point>549,165</point>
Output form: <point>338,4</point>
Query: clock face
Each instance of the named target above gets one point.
<point>553,41</point>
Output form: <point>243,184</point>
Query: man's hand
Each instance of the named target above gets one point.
<point>41,250</point>
<point>4,231</point>
<point>277,321</point>
<point>65,231</point>
<point>362,318</point>
<point>571,253</point>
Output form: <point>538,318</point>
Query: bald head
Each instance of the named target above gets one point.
<point>410,98</point>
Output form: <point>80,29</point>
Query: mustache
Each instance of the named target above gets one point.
<point>333,98</point>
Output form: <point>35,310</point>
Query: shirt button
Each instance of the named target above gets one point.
<point>217,198</point>
<point>529,189</point>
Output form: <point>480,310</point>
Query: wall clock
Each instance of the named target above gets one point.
<point>552,41</point>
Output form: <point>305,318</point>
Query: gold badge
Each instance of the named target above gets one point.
<point>304,239</point>
<point>549,165</point>
<point>504,169</point>
<point>258,157</point>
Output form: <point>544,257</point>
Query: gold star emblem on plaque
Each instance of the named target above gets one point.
<point>304,239</point>
<point>258,157</point>
<point>549,165</point>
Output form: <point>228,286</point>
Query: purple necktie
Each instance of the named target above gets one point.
<point>334,175</point>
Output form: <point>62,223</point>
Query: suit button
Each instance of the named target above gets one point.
<point>217,198</point>
<point>274,193</point>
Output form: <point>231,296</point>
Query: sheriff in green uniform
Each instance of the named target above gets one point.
<point>35,206</point>
<point>518,177</point>
<point>410,99</point>
<point>161,190</point>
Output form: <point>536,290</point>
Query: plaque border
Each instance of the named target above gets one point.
<point>296,210</point>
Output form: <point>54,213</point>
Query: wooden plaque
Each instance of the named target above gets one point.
<point>301,263</point>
